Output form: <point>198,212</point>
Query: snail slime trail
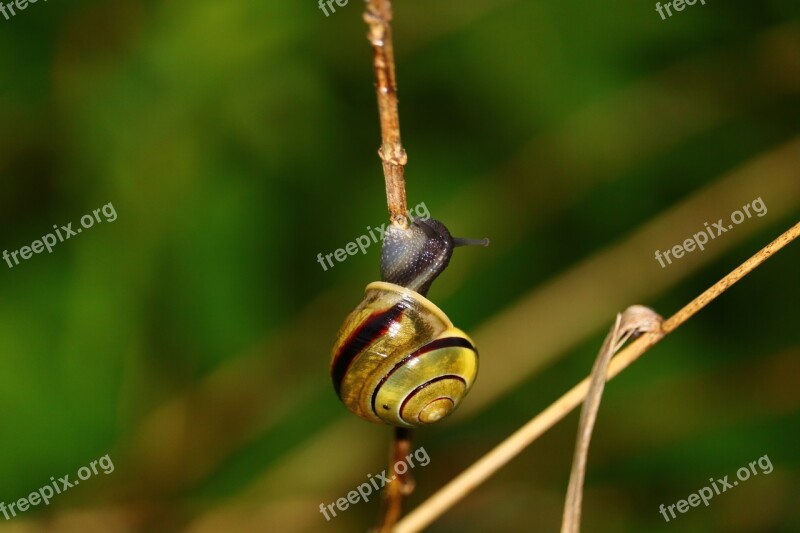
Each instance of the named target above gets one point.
<point>397,358</point>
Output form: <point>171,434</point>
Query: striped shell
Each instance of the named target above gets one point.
<point>398,359</point>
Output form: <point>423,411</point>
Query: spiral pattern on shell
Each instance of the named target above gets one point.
<point>398,359</point>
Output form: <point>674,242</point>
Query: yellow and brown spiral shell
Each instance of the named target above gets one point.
<point>398,359</point>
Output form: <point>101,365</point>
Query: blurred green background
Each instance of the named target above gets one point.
<point>189,339</point>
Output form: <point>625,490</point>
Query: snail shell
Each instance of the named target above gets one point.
<point>399,360</point>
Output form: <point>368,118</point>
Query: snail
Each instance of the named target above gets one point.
<point>397,358</point>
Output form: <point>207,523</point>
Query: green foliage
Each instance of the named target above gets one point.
<point>237,140</point>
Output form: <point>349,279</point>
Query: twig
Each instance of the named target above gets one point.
<point>378,16</point>
<point>400,485</point>
<point>635,320</point>
<point>481,470</point>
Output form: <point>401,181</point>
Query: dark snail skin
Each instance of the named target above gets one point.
<point>397,358</point>
<point>415,256</point>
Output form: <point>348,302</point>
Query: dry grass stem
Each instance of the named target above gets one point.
<point>481,470</point>
<point>401,485</point>
<point>378,16</point>
<point>635,320</point>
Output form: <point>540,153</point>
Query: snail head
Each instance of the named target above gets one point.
<point>415,256</point>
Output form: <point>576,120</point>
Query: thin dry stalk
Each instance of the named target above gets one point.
<point>635,320</point>
<point>481,470</point>
<point>400,485</point>
<point>378,16</point>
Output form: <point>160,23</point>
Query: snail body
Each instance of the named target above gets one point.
<point>397,358</point>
